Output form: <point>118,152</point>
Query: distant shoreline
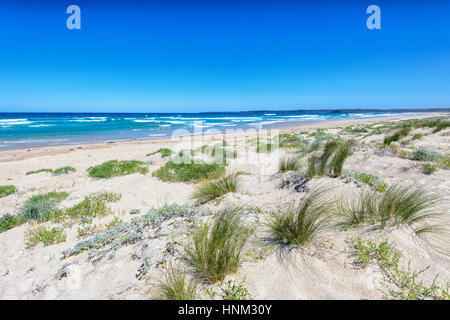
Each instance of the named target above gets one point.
<point>291,127</point>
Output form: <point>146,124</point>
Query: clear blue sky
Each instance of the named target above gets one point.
<point>171,56</point>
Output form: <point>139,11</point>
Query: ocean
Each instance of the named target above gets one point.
<point>30,130</point>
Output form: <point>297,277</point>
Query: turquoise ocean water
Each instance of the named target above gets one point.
<point>29,130</point>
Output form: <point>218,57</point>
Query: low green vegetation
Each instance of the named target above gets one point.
<point>39,171</point>
<point>289,164</point>
<point>64,170</point>
<point>425,154</point>
<point>234,291</point>
<point>165,152</point>
<point>114,168</point>
<point>44,235</point>
<point>399,204</point>
<point>212,189</point>
<point>92,206</point>
<point>56,172</point>
<point>126,233</point>
<point>8,221</point>
<point>7,190</point>
<point>373,181</point>
<point>189,172</point>
<point>368,252</point>
<point>403,284</point>
<point>428,168</point>
<point>217,247</point>
<point>176,286</point>
<point>303,223</point>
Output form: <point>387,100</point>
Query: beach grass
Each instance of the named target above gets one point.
<point>175,285</point>
<point>218,246</point>
<point>397,135</point>
<point>289,164</point>
<point>8,221</point>
<point>114,168</point>
<point>212,189</point>
<point>399,204</point>
<point>189,172</point>
<point>7,190</point>
<point>303,223</point>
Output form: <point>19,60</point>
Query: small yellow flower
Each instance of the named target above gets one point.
<point>100,245</point>
<point>83,251</point>
<point>164,264</point>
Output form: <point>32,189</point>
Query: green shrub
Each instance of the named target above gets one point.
<point>217,247</point>
<point>7,190</point>
<point>45,236</point>
<point>165,152</point>
<point>39,171</point>
<point>428,168</point>
<point>303,223</point>
<point>424,154</point>
<point>176,286</point>
<point>114,168</point>
<point>188,172</point>
<point>64,170</point>
<point>210,190</point>
<point>289,164</point>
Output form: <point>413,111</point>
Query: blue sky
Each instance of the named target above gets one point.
<point>180,56</point>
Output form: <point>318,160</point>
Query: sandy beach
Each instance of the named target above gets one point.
<point>270,268</point>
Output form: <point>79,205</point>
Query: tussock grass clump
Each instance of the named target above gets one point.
<point>343,151</point>
<point>303,223</point>
<point>8,221</point>
<point>289,164</point>
<point>7,190</point>
<point>329,149</point>
<point>188,172</point>
<point>41,207</point>
<point>212,189</point>
<point>165,152</point>
<point>336,150</point>
<point>396,136</point>
<point>39,171</point>
<point>311,171</point>
<point>176,286</point>
<point>217,247</point>
<point>114,168</point>
<point>399,204</point>
<point>64,170</point>
<point>45,236</point>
